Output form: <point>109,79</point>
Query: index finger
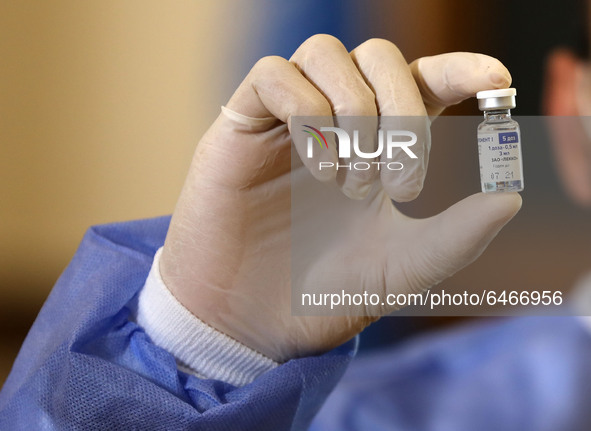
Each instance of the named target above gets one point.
<point>447,79</point>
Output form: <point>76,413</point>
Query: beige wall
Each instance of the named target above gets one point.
<point>101,105</point>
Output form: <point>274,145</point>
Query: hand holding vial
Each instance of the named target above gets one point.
<point>237,199</point>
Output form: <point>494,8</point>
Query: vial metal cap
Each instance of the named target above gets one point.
<point>496,99</point>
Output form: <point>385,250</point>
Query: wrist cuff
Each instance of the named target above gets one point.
<point>196,346</point>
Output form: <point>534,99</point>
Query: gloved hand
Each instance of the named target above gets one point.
<point>227,256</point>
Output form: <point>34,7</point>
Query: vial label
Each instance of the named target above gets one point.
<point>500,161</point>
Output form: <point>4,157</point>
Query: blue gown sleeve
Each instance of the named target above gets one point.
<point>527,373</point>
<point>86,366</point>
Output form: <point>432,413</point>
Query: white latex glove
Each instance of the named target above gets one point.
<point>227,255</point>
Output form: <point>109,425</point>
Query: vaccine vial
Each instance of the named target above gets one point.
<point>499,142</point>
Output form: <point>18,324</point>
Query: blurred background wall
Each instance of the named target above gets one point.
<point>102,104</point>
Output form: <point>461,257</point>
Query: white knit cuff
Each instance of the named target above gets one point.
<point>197,347</point>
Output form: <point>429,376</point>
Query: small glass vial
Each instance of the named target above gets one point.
<point>499,142</point>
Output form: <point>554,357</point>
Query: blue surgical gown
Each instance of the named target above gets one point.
<point>86,366</point>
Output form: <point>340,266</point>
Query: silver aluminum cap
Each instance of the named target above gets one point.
<point>496,99</point>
